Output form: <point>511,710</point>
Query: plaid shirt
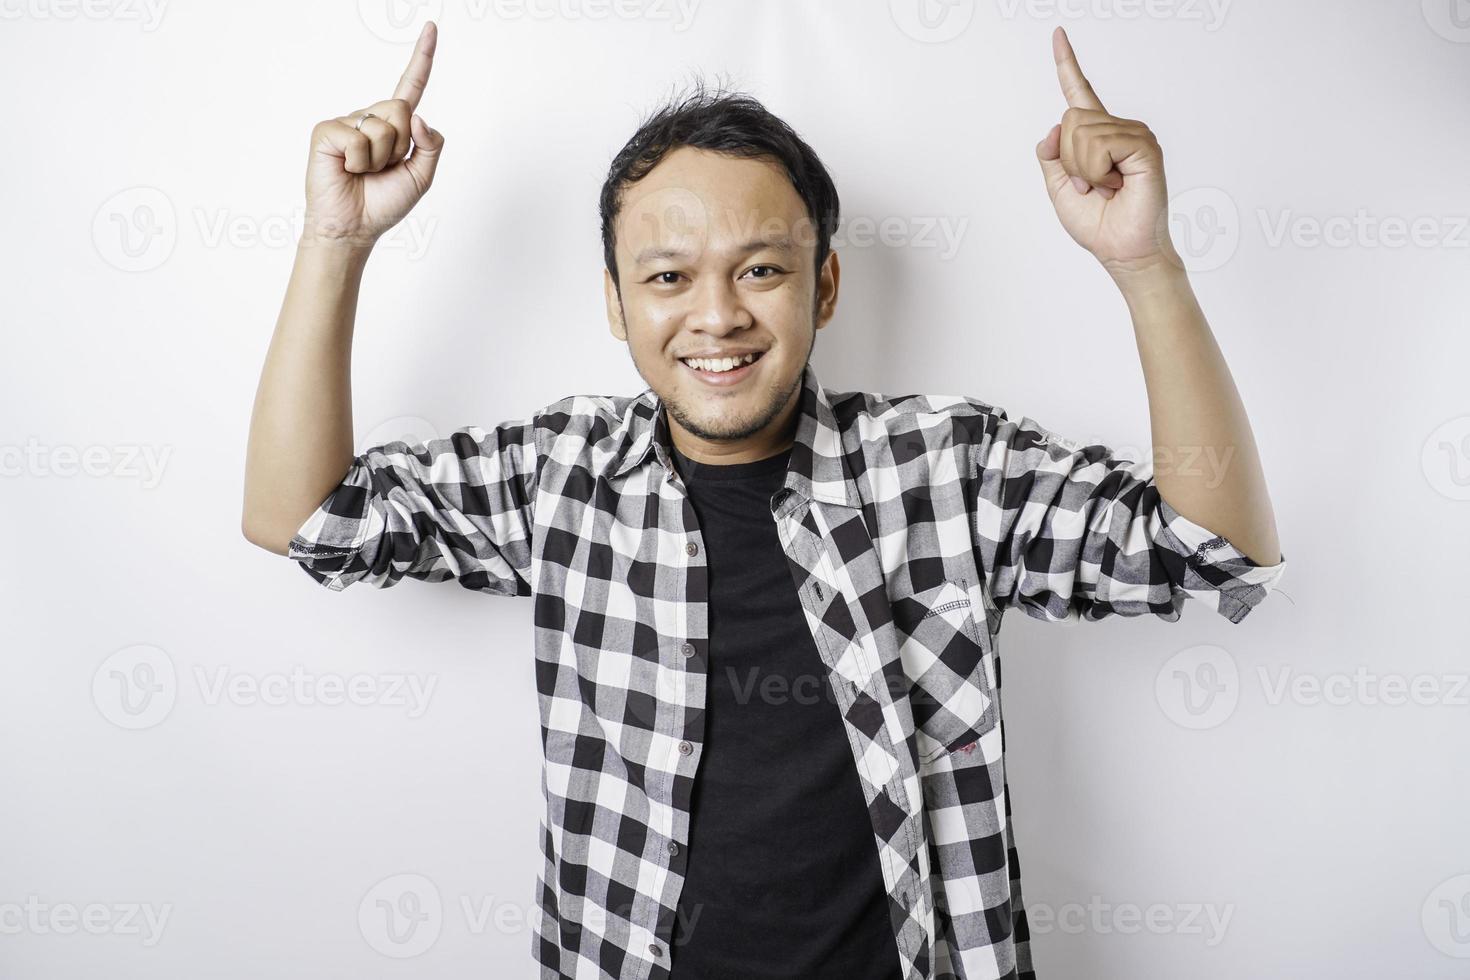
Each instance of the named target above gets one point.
<point>909,523</point>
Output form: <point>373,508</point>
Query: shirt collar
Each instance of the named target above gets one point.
<point>818,469</point>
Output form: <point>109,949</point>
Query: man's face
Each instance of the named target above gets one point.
<point>716,257</point>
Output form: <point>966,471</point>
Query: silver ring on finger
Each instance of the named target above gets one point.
<point>365,115</point>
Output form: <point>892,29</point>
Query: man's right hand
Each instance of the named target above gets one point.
<point>361,182</point>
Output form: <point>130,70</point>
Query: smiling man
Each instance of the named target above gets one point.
<point>765,612</point>
<point>715,275</point>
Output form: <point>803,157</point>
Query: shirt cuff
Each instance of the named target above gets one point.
<point>1213,570</point>
<point>329,544</point>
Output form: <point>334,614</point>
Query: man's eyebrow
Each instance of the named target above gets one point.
<point>778,243</point>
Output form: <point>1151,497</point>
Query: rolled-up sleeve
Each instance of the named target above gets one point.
<point>1068,531</point>
<point>457,508</point>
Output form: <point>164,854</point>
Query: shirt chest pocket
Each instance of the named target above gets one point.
<point>944,658</point>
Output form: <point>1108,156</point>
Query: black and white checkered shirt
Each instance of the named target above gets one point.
<point>910,524</point>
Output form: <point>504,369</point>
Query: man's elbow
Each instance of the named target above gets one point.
<point>265,534</point>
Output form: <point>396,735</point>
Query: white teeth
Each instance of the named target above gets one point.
<point>718,364</point>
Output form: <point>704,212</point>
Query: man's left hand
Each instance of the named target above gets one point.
<point>1105,176</point>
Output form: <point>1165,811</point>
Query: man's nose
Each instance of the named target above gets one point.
<point>717,307</point>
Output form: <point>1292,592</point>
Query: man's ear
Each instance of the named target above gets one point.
<point>614,306</point>
<point>828,277</point>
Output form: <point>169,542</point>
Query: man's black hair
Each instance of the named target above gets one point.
<point>725,122</point>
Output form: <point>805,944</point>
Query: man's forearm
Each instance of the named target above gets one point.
<point>1206,463</point>
<point>300,443</point>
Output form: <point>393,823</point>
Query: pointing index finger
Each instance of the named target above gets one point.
<point>1075,86</point>
<point>416,75</point>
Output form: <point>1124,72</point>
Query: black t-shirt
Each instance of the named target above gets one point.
<point>782,876</point>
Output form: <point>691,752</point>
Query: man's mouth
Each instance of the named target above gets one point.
<point>721,370</point>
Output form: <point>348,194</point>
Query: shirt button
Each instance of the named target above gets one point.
<point>673,847</point>
<point>653,948</point>
<point>691,549</point>
<point>687,649</point>
<point>685,748</point>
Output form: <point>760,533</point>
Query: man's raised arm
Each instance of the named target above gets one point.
<point>361,180</point>
<point>1105,176</point>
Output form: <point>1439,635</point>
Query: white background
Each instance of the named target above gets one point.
<point>153,170</point>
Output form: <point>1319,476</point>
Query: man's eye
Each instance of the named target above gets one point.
<point>658,278</point>
<point>773,270</point>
